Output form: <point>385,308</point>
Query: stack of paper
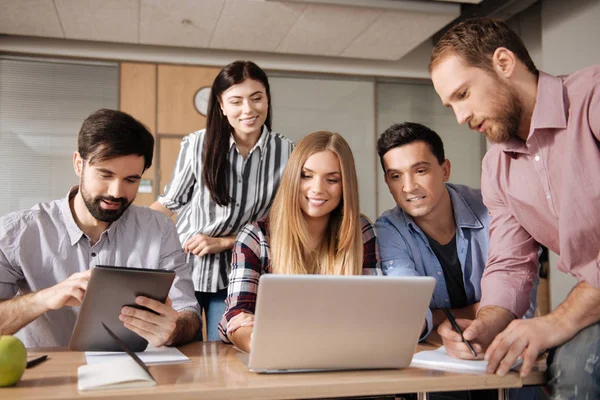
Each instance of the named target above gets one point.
<point>439,359</point>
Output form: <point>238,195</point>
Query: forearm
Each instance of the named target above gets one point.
<point>467,312</point>
<point>187,327</point>
<point>495,319</point>
<point>240,338</point>
<point>19,312</point>
<point>228,242</point>
<point>580,309</point>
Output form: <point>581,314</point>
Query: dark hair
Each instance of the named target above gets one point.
<point>215,168</point>
<point>475,41</point>
<point>400,134</point>
<point>107,134</point>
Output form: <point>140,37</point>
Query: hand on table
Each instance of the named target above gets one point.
<point>525,338</point>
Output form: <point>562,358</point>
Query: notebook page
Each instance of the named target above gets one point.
<point>439,359</point>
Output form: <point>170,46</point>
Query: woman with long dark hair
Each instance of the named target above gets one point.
<point>225,177</point>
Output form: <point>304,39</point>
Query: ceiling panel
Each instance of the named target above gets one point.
<point>29,17</point>
<point>254,25</point>
<point>179,22</point>
<point>327,30</point>
<point>394,34</point>
<point>104,20</point>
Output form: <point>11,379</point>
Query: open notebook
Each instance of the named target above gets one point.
<point>439,359</point>
<point>122,373</point>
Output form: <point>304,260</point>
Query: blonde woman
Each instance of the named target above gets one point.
<point>315,227</point>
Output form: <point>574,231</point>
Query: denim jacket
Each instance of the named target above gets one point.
<point>405,250</point>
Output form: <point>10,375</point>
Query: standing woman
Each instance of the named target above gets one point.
<point>225,177</point>
<point>314,227</point>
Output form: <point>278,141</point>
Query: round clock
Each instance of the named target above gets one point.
<point>201,100</point>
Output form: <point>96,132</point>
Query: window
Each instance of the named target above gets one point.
<point>42,106</point>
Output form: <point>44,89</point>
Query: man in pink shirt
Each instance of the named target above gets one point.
<point>541,185</point>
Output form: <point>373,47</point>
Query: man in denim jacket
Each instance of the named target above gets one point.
<point>437,229</point>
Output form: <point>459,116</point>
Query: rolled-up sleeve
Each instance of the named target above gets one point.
<point>396,260</point>
<point>173,258</point>
<point>10,274</point>
<point>181,188</point>
<point>589,272</point>
<point>513,253</point>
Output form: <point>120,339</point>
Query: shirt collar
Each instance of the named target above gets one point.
<point>463,215</point>
<point>550,112</point>
<point>260,143</point>
<point>75,233</point>
<point>550,109</point>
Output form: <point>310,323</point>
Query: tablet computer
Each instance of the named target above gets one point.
<point>109,289</point>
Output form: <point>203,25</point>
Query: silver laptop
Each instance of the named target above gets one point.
<point>317,322</point>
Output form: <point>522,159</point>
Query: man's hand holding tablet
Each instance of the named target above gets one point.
<point>156,327</point>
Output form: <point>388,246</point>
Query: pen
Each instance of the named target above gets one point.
<point>36,361</point>
<point>457,328</point>
<point>187,257</point>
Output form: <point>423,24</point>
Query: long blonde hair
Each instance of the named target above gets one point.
<point>341,252</point>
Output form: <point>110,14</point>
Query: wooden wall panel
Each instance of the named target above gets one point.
<point>177,86</point>
<point>169,149</point>
<point>137,96</point>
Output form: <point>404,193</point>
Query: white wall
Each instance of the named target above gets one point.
<point>570,35</point>
<point>304,105</point>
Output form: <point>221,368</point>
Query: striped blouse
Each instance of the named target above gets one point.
<point>251,259</point>
<point>253,183</point>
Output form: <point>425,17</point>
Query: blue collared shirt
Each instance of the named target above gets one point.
<point>405,250</point>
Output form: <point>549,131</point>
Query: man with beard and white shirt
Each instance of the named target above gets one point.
<point>541,185</point>
<point>47,252</point>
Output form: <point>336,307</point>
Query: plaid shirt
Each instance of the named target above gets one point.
<point>251,258</point>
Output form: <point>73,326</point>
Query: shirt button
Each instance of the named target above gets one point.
<point>439,273</point>
<point>239,181</point>
<point>447,300</point>
<point>237,204</point>
<point>231,225</point>
<point>537,158</point>
<point>93,254</point>
<point>548,196</point>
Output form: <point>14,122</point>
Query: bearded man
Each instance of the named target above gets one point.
<point>541,185</point>
<point>47,252</point>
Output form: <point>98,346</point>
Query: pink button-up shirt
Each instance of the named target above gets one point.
<point>546,191</point>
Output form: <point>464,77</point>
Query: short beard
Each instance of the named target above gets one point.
<point>510,110</point>
<point>93,205</point>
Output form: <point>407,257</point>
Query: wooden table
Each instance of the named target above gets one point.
<point>216,373</point>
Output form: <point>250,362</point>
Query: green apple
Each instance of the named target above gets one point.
<point>13,360</point>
